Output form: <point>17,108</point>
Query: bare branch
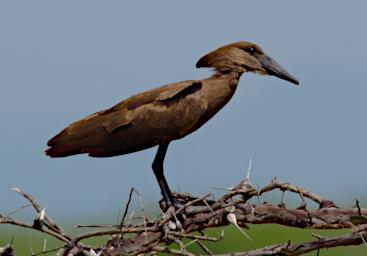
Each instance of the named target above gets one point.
<point>171,251</point>
<point>41,212</point>
<point>204,247</point>
<point>195,214</point>
<point>290,249</point>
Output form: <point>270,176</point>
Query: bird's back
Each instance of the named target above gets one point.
<point>139,122</point>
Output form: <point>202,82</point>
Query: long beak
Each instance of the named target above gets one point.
<point>273,68</point>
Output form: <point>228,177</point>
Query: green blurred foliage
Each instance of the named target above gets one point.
<point>268,234</point>
<point>28,241</point>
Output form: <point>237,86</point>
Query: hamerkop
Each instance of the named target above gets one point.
<point>166,113</point>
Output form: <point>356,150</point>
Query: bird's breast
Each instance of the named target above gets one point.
<point>217,95</point>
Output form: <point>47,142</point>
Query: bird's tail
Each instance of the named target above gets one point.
<point>83,136</point>
<point>62,151</point>
<point>62,145</point>
<point>72,140</point>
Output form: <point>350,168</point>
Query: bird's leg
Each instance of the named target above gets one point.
<point>158,171</point>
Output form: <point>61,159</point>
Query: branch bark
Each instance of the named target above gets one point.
<point>197,214</point>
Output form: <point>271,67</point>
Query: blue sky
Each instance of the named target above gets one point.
<point>61,61</point>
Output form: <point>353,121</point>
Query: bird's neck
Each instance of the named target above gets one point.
<point>231,74</point>
<point>217,90</point>
<point>231,78</point>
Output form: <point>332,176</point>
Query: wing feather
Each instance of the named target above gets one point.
<point>91,131</point>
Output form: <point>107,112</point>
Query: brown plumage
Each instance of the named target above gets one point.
<point>166,113</point>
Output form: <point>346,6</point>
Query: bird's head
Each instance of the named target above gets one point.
<point>244,57</point>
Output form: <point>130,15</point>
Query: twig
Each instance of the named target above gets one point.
<point>96,226</point>
<point>199,213</point>
<point>142,209</point>
<point>290,249</point>
<point>18,210</point>
<point>358,207</point>
<point>47,251</point>
<point>43,229</point>
<point>204,247</point>
<point>50,223</point>
<point>112,232</point>
<point>205,238</point>
<point>126,207</point>
<point>364,241</point>
<point>172,251</point>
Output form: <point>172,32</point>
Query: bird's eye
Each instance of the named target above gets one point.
<point>251,50</point>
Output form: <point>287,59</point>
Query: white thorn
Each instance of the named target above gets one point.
<point>41,215</point>
<point>223,188</point>
<point>16,189</point>
<point>93,253</point>
<point>178,225</point>
<point>172,225</point>
<point>45,245</point>
<point>231,217</point>
<point>222,233</point>
<point>252,210</point>
<point>249,169</point>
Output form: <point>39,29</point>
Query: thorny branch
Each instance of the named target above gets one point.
<point>197,214</point>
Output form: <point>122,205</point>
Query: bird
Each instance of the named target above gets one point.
<point>161,115</point>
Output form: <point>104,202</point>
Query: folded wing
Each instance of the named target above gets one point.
<point>141,121</point>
